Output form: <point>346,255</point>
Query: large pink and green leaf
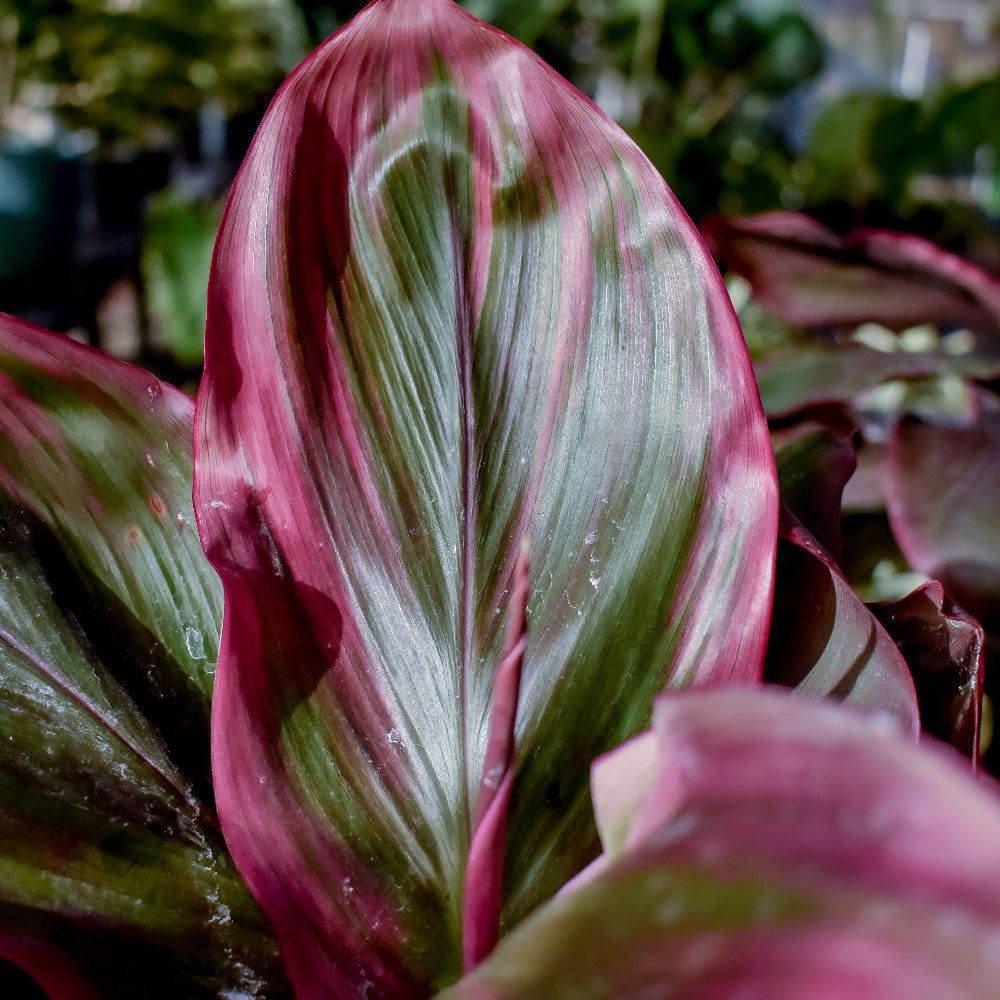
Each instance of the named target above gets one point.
<point>453,310</point>
<point>113,871</point>
<point>776,847</point>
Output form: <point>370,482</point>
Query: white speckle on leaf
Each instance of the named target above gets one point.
<point>272,549</point>
<point>219,505</point>
<point>595,580</point>
<point>491,779</point>
<point>395,737</point>
<point>195,642</point>
<point>591,538</point>
<point>222,915</point>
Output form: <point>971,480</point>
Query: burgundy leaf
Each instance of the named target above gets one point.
<point>810,276</point>
<point>483,895</point>
<point>942,489</point>
<point>47,966</point>
<point>813,470</point>
<point>943,647</point>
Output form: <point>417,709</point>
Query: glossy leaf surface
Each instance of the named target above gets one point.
<point>824,640</point>
<point>786,848</point>
<point>943,647</point>
<point>808,275</point>
<point>111,860</point>
<point>452,309</point>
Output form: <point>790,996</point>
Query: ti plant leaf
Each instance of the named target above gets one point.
<point>780,848</point>
<point>453,310</point>
<point>810,276</point>
<point>942,487</point>
<point>944,649</point>
<point>112,867</point>
<point>804,377</point>
<point>824,640</point>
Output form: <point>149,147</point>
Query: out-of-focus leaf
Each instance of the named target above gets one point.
<point>808,275</point>
<point>864,493</point>
<point>786,849</point>
<point>453,308</point>
<point>823,639</point>
<point>176,256</point>
<point>619,782</point>
<point>110,852</point>
<point>943,647</point>
<point>942,490</point>
<point>955,134</point>
<point>862,147</point>
<point>802,377</point>
<point>41,972</point>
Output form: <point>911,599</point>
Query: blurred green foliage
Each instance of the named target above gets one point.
<point>928,164</point>
<point>713,90</point>
<point>138,71</point>
<point>177,247</point>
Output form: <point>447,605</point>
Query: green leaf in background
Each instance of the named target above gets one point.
<point>177,244</point>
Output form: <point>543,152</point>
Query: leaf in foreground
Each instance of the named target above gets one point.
<point>772,846</point>
<point>112,866</point>
<point>454,310</point>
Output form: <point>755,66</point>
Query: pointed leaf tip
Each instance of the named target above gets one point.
<point>453,306</point>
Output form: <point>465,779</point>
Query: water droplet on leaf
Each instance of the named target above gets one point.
<point>195,642</point>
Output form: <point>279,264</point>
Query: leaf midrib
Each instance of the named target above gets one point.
<point>101,717</point>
